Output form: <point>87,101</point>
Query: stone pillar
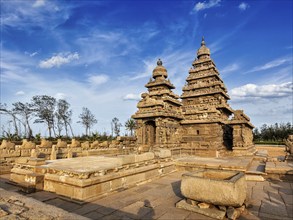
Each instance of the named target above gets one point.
<point>69,153</point>
<point>53,155</point>
<point>34,153</point>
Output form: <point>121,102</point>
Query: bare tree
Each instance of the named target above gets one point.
<point>59,123</point>
<point>25,110</point>
<point>63,116</point>
<point>66,114</point>
<point>116,125</point>
<point>4,110</point>
<point>44,107</point>
<point>87,120</point>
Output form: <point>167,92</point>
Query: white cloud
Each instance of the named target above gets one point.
<point>60,95</point>
<point>59,60</point>
<point>262,91</point>
<point>26,14</point>
<point>39,3</point>
<point>132,96</point>
<point>31,54</point>
<point>243,6</point>
<point>149,66</point>
<point>271,64</point>
<point>229,69</point>
<point>96,80</point>
<point>205,5</point>
<point>20,93</point>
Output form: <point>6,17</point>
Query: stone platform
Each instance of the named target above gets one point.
<point>280,170</point>
<point>196,163</point>
<point>87,177</point>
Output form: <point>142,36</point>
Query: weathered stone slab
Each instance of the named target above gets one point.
<point>226,188</point>
<point>36,161</point>
<point>231,163</point>
<point>21,160</point>
<point>279,168</point>
<point>164,153</point>
<point>127,159</point>
<point>144,157</point>
<point>9,153</point>
<point>211,212</point>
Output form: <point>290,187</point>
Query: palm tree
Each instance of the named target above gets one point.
<point>130,125</point>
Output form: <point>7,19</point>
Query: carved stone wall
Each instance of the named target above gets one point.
<point>158,113</point>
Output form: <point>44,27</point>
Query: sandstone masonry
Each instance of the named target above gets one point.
<point>202,120</point>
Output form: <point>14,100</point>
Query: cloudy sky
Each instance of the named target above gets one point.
<point>100,54</point>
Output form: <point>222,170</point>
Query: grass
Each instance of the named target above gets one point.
<point>269,142</point>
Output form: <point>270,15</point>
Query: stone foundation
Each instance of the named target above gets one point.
<point>88,177</point>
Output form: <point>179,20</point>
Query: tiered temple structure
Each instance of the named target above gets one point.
<point>158,112</point>
<point>202,120</point>
<point>205,108</point>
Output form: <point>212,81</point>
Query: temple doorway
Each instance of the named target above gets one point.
<point>150,133</point>
<point>228,137</point>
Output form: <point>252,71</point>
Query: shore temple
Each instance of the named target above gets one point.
<point>200,119</point>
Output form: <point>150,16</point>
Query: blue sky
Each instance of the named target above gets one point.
<point>100,54</point>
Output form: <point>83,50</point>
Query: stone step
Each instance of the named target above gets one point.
<point>261,155</point>
<point>252,177</point>
<point>256,171</point>
<point>256,167</point>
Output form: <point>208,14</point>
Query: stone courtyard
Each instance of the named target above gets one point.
<point>152,200</point>
<point>149,176</point>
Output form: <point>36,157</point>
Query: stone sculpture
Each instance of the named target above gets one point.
<point>7,145</point>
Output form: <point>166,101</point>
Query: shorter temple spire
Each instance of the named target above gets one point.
<point>160,70</point>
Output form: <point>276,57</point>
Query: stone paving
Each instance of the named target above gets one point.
<point>157,199</point>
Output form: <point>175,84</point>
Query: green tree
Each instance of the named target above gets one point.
<point>256,134</point>
<point>130,125</point>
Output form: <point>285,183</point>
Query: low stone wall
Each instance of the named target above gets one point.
<point>9,151</point>
<point>273,151</point>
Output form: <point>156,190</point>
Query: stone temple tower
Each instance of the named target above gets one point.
<point>158,112</point>
<point>201,122</point>
<point>205,109</point>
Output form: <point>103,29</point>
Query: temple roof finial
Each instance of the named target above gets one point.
<point>159,62</point>
<point>202,41</point>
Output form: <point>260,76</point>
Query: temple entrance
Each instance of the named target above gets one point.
<point>150,133</point>
<point>228,137</point>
